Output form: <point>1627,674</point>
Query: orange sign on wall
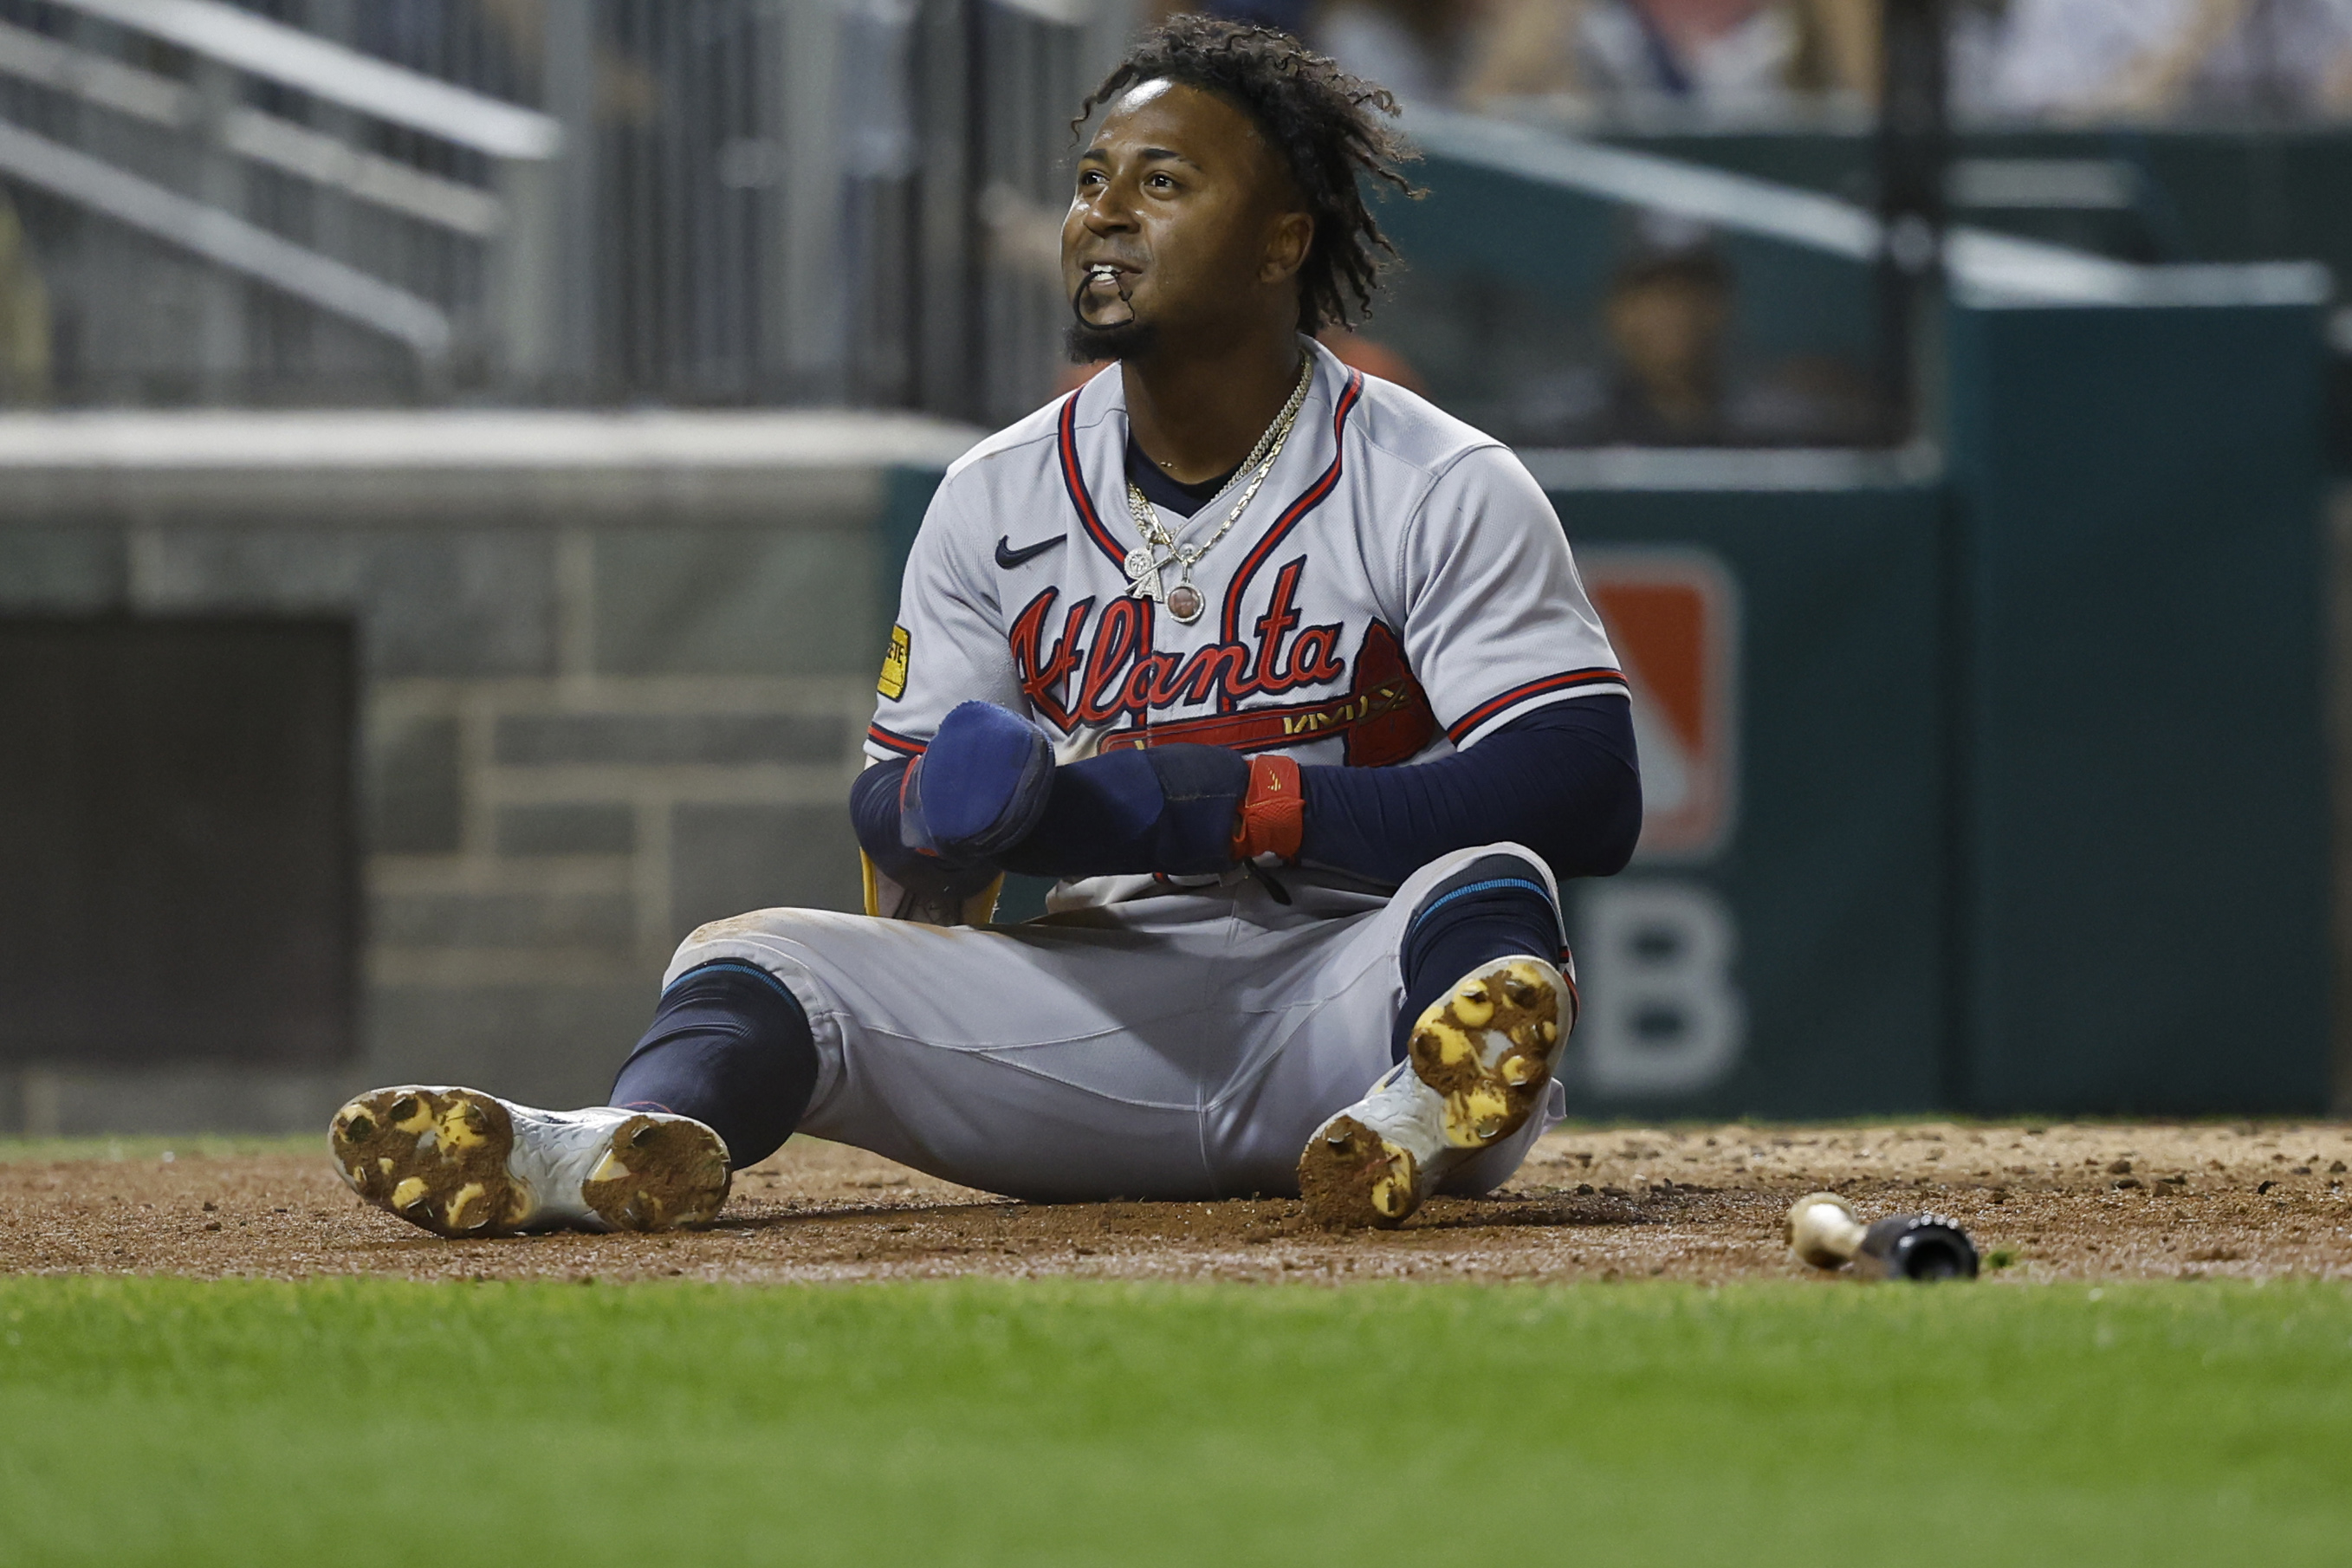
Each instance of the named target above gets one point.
<point>1673,616</point>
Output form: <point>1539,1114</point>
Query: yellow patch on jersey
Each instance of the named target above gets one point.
<point>893,684</point>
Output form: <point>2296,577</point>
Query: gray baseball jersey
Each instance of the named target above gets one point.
<point>1399,588</point>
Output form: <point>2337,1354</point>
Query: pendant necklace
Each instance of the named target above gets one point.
<point>1160,551</point>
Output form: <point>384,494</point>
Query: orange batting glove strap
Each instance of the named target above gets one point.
<point>1273,814</point>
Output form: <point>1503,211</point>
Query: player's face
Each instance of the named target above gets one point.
<point>1182,220</point>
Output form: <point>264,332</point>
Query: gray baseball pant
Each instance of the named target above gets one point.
<point>1180,1046</point>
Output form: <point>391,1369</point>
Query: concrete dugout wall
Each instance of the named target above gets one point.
<point>610,674</point>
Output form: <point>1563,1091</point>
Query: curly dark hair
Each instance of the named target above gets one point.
<point>1320,119</point>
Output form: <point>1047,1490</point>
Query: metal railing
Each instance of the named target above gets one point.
<point>676,201</point>
<point>257,153</point>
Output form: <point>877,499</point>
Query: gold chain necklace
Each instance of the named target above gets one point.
<point>1160,550</point>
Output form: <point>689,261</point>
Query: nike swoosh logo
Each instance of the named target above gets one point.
<point>1008,557</point>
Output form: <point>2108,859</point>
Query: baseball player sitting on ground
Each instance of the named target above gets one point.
<point>1287,677</point>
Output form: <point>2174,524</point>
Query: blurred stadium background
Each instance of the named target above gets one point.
<point>457,456</point>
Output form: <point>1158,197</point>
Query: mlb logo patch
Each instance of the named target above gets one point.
<point>1673,618</point>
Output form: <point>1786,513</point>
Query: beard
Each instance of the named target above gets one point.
<point>1090,345</point>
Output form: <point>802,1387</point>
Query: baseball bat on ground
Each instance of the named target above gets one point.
<point>1824,1231</point>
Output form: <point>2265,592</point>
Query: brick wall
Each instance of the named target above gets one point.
<point>614,669</point>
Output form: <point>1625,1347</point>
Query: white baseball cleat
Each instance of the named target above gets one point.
<point>1478,1064</point>
<point>460,1162</point>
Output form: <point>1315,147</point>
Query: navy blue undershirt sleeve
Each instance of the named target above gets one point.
<point>1564,781</point>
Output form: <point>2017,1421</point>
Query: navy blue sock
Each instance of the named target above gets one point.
<point>1494,907</point>
<point>729,1046</point>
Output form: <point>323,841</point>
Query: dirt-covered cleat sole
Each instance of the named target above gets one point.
<point>1477,1065</point>
<point>1351,1177</point>
<point>1489,1046</point>
<point>661,1173</point>
<point>459,1162</point>
<point>436,1157</point>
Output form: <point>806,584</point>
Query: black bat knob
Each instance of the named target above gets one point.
<point>1919,1246</point>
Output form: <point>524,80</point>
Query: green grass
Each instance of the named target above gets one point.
<point>351,1423</point>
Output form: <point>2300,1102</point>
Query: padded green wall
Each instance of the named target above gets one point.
<point>2144,873</point>
<point>1834,873</point>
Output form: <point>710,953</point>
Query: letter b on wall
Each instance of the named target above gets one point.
<point>1662,1012</point>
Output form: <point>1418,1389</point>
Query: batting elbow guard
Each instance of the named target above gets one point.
<point>1273,816</point>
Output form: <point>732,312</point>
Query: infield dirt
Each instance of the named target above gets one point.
<point>2054,1202</point>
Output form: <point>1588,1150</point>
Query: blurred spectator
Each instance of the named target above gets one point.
<point>2091,60</point>
<point>1412,48</point>
<point>23,316</point>
<point>1977,38</point>
<point>1667,319</point>
<point>1735,58</point>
